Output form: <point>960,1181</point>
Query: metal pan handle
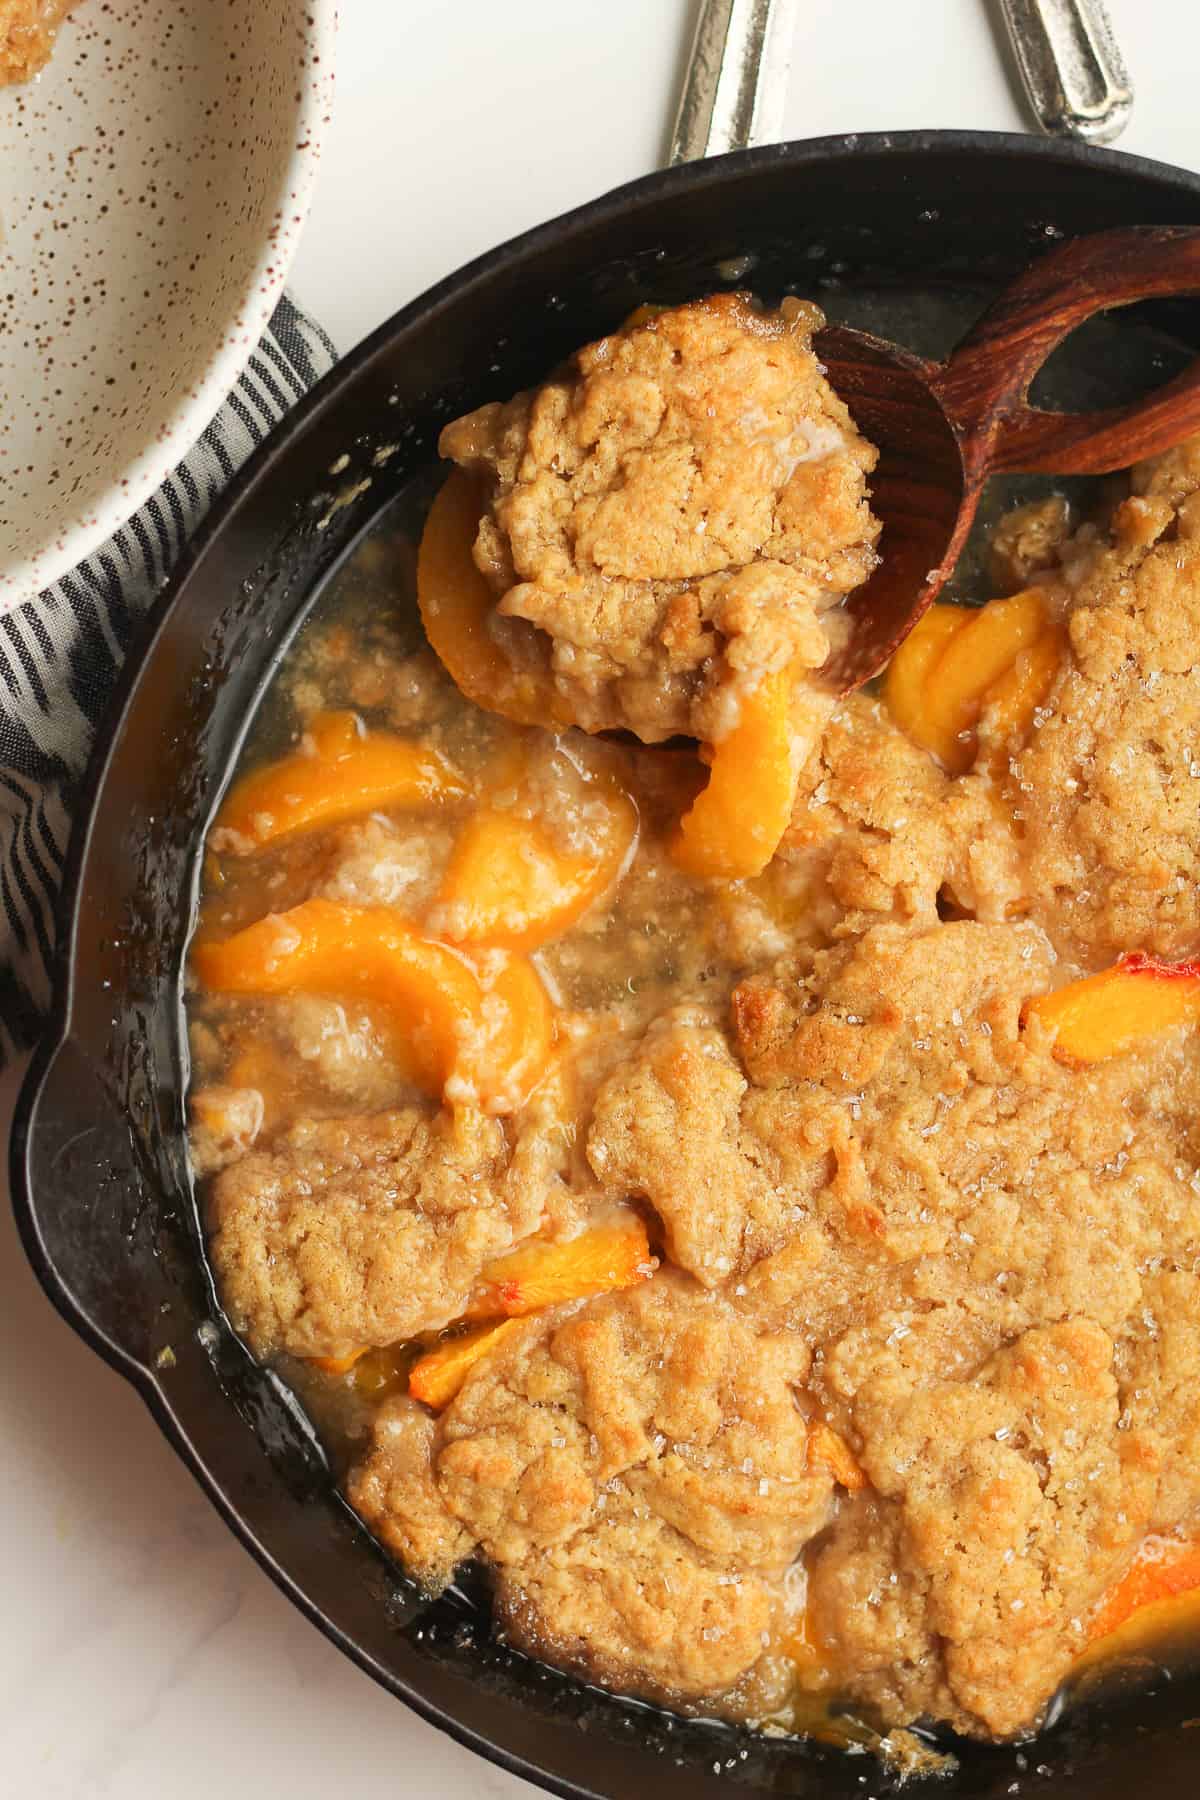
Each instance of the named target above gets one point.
<point>736,81</point>
<point>1073,71</point>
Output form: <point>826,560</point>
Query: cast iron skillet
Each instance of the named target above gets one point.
<point>100,1181</point>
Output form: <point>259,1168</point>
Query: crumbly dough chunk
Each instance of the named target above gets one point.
<point>372,863</point>
<point>636,1470</point>
<point>674,511</point>
<point>225,1121</point>
<point>394,1492</point>
<point>1108,783</point>
<point>1006,1505</point>
<point>1158,1355</point>
<point>28,29</point>
<point>364,1231</point>
<point>832,1126</point>
<point>879,832</point>
<point>627,1602</point>
<point>343,1046</point>
<point>678,1125</point>
<point>1028,542</point>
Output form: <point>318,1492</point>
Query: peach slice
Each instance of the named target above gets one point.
<point>961,664</point>
<point>976,657</point>
<point>734,825</point>
<point>908,671</point>
<point>510,1048</point>
<point>825,1446</point>
<point>508,883</point>
<point>1010,703</point>
<point>437,1376</point>
<point>1105,1015</point>
<point>1163,1570</point>
<point>536,1275</point>
<point>484,1037</point>
<point>456,609</point>
<point>340,772</point>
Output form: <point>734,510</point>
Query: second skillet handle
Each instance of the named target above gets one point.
<point>1073,72</point>
<point>985,385</point>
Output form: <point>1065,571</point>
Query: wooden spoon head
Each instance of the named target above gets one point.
<point>919,491</point>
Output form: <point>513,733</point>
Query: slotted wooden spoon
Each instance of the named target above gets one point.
<point>943,428</point>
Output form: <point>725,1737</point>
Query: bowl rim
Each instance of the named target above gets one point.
<point>57,1031</point>
<point>251,305</point>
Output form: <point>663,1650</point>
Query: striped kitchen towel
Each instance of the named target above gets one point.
<point>60,654</point>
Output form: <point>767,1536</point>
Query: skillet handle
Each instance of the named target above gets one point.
<point>80,1200</point>
<point>984,386</point>
<point>736,81</point>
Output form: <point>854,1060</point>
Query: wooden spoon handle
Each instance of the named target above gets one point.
<point>985,385</point>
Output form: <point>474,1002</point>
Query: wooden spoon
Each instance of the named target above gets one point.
<point>943,428</point>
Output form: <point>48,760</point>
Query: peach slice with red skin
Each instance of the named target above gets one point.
<point>340,772</point>
<point>480,1036</point>
<point>1105,1015</point>
<point>534,1275</point>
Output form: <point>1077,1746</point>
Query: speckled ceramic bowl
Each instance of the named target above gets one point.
<point>153,183</point>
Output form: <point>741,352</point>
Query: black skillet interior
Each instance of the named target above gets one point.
<point>906,234</point>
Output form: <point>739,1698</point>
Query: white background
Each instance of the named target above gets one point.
<point>142,1653</point>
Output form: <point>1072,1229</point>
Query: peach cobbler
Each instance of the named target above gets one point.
<point>725,1159</point>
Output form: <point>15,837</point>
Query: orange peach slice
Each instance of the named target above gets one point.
<point>961,664</point>
<point>508,883</point>
<point>908,671</point>
<point>825,1446</point>
<point>536,1275</point>
<point>437,1376</point>
<point>340,772</point>
<point>1105,1015</point>
<point>736,821</point>
<point>1163,1570</point>
<point>484,1038</point>
<point>456,609</point>
<point>511,1046</point>
<point>976,657</point>
<point>1010,703</point>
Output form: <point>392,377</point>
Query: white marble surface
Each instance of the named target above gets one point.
<point>143,1652</point>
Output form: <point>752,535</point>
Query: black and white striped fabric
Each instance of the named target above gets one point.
<point>60,654</point>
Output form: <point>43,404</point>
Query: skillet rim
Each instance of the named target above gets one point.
<point>303,416</point>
